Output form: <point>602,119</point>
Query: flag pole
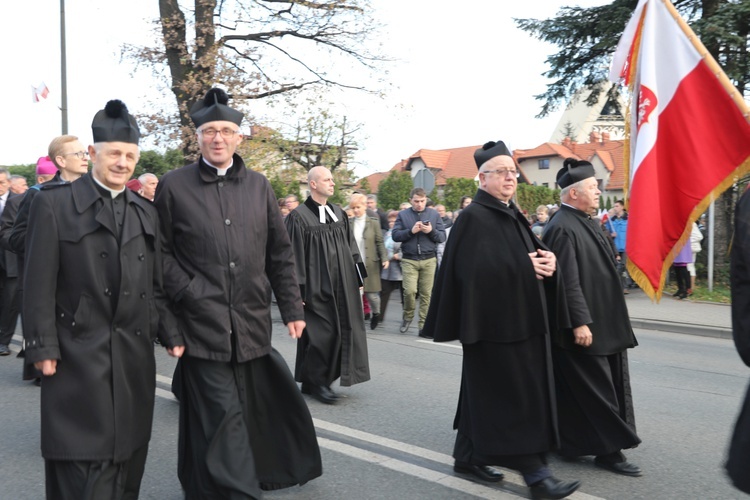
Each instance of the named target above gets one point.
<point>738,99</point>
<point>63,71</point>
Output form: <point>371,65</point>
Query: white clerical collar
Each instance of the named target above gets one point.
<point>219,171</point>
<point>322,209</point>
<point>112,192</point>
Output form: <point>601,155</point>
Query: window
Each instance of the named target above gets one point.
<point>545,184</point>
<point>544,164</point>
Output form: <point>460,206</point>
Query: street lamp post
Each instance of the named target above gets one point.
<point>63,71</point>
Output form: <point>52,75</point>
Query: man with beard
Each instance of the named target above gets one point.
<point>594,400</point>
<point>490,295</point>
<point>334,344</point>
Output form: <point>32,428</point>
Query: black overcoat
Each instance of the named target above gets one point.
<point>487,296</point>
<point>486,287</point>
<point>738,461</point>
<point>9,260</point>
<point>592,286</point>
<point>92,303</point>
<point>225,246</point>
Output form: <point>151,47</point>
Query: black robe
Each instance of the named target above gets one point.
<point>334,344</point>
<point>595,406</point>
<point>738,461</point>
<point>487,295</point>
<point>243,423</point>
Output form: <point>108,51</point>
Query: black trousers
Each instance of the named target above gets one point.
<point>683,278</point>
<point>532,466</point>
<point>9,308</point>
<point>84,480</point>
<point>385,294</point>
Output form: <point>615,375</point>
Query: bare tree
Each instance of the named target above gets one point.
<point>255,49</point>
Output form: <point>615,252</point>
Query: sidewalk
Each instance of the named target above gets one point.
<point>681,316</point>
<point>706,319</point>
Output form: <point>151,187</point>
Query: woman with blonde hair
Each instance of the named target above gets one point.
<point>369,238</point>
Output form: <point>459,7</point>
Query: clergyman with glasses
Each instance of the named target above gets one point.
<point>594,399</point>
<point>244,426</point>
<point>71,158</point>
<point>490,294</point>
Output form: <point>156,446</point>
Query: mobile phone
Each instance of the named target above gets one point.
<point>426,223</point>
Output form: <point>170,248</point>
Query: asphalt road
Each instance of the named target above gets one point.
<point>391,438</point>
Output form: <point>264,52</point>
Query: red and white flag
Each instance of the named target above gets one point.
<point>39,93</point>
<point>689,139</point>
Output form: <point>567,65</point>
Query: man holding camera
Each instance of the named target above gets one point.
<point>419,229</point>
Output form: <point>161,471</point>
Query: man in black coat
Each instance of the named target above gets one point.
<point>91,311</point>
<point>334,344</point>
<point>490,294</point>
<point>594,400</point>
<point>8,272</point>
<point>738,461</point>
<point>244,426</point>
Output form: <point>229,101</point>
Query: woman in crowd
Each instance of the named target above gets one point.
<point>391,277</point>
<point>369,239</point>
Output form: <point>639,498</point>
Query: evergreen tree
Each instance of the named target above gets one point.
<point>394,190</point>
<point>455,189</point>
<point>587,38</point>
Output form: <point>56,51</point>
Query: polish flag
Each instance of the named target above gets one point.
<point>689,137</point>
<point>39,93</point>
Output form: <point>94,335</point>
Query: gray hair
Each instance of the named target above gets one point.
<point>566,190</point>
<point>147,175</point>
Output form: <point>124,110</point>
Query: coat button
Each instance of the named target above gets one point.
<point>72,323</point>
<point>62,315</point>
<point>221,184</point>
<point>138,333</point>
<point>126,293</point>
<point>107,291</point>
<point>141,256</point>
<point>143,295</point>
<point>227,222</point>
<point>103,255</point>
<point>232,265</point>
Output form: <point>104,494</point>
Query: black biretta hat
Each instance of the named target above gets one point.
<point>115,124</point>
<point>213,107</point>
<point>490,150</point>
<point>574,171</point>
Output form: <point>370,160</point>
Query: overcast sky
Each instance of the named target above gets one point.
<point>464,75</point>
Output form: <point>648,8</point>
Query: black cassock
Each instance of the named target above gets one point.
<point>334,344</point>
<point>487,296</point>
<point>594,400</point>
<point>738,462</point>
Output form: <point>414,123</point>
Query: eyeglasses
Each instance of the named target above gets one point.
<point>226,133</point>
<point>503,172</point>
<point>78,154</point>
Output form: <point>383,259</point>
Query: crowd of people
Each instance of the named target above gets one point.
<point>101,265</point>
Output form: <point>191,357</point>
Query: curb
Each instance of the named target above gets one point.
<point>686,328</point>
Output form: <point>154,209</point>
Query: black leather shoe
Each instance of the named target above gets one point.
<point>375,321</point>
<point>424,335</point>
<point>483,472</point>
<point>551,487</point>
<point>323,394</point>
<point>306,389</point>
<point>4,351</point>
<point>405,326</point>
<point>625,468</point>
